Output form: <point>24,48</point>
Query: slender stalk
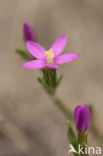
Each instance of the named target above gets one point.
<point>63,108</point>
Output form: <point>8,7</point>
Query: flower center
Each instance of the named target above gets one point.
<point>50,56</point>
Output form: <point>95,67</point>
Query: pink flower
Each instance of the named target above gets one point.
<point>82,117</point>
<point>50,58</point>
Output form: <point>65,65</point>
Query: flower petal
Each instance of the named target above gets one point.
<point>82,117</point>
<point>28,32</point>
<point>76,111</point>
<point>36,64</point>
<point>35,49</point>
<point>52,66</point>
<point>66,58</point>
<point>59,45</point>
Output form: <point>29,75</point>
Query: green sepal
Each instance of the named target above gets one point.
<point>82,138</point>
<point>24,54</point>
<point>50,81</point>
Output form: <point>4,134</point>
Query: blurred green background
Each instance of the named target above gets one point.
<point>30,124</point>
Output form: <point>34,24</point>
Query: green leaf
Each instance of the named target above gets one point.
<point>24,54</point>
<point>72,137</point>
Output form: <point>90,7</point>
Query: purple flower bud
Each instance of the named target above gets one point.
<point>28,32</point>
<point>82,117</point>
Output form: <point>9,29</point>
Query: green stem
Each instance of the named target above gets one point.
<point>62,107</point>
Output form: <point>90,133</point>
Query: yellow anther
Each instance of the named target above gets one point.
<point>49,54</point>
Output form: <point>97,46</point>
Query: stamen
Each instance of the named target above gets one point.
<point>50,56</point>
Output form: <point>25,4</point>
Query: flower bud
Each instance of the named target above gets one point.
<point>82,117</point>
<point>28,32</point>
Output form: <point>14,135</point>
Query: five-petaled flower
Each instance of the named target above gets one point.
<point>50,58</point>
<point>28,32</point>
<point>82,117</point>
